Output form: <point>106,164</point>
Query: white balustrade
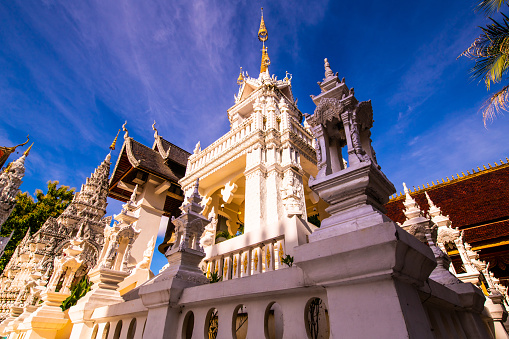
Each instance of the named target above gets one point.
<point>220,146</point>
<point>254,259</point>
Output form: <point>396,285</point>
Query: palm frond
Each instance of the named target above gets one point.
<point>495,104</point>
<point>490,6</point>
<point>490,52</point>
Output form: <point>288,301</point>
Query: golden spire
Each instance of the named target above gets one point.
<point>240,79</point>
<point>263,35</point>
<point>112,146</point>
<point>265,60</point>
<point>8,168</point>
<point>28,150</point>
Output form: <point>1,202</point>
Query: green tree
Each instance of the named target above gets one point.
<point>32,214</point>
<point>490,51</point>
<point>78,291</point>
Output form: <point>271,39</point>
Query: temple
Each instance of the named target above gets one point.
<point>243,259</point>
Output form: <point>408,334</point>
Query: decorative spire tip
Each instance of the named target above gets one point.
<point>114,143</point>
<point>240,79</point>
<point>28,149</point>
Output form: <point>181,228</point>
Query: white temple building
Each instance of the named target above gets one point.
<point>244,262</point>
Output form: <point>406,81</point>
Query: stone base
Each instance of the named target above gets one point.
<point>48,319</point>
<point>382,263</point>
<point>356,196</point>
<point>104,292</point>
<point>349,221</point>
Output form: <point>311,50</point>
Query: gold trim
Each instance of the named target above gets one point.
<point>476,248</point>
<point>455,180</point>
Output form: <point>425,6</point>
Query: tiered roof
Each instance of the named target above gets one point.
<point>164,160</point>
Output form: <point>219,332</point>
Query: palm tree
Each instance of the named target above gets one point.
<point>490,51</point>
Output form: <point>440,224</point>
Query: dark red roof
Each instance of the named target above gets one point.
<point>476,199</point>
<point>478,204</point>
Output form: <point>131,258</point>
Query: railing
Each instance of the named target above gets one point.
<point>234,137</point>
<point>221,145</point>
<point>262,257</point>
<point>297,128</point>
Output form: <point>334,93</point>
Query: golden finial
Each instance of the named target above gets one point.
<point>263,35</point>
<point>478,169</point>
<point>28,150</point>
<point>484,167</point>
<point>8,168</point>
<point>501,162</point>
<point>462,174</point>
<point>432,183</point>
<point>114,143</point>
<point>240,79</point>
<point>265,60</point>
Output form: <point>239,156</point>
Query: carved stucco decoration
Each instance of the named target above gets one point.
<point>292,194</point>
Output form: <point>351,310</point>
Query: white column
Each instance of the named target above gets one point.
<point>255,191</point>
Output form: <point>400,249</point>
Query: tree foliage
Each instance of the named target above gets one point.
<point>78,291</point>
<point>490,51</point>
<point>30,213</point>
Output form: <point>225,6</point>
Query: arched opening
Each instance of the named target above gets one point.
<point>94,332</point>
<point>273,323</point>
<point>106,331</point>
<point>228,208</point>
<point>211,324</point>
<point>188,325</point>
<point>118,329</point>
<point>132,329</point>
<point>240,322</point>
<point>316,317</point>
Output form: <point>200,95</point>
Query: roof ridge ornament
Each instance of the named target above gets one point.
<point>5,152</point>
<point>126,134</point>
<point>156,133</point>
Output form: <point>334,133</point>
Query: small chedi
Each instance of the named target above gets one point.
<point>243,259</point>
<point>10,180</point>
<point>77,233</point>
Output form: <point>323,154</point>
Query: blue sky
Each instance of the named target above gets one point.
<point>71,72</point>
